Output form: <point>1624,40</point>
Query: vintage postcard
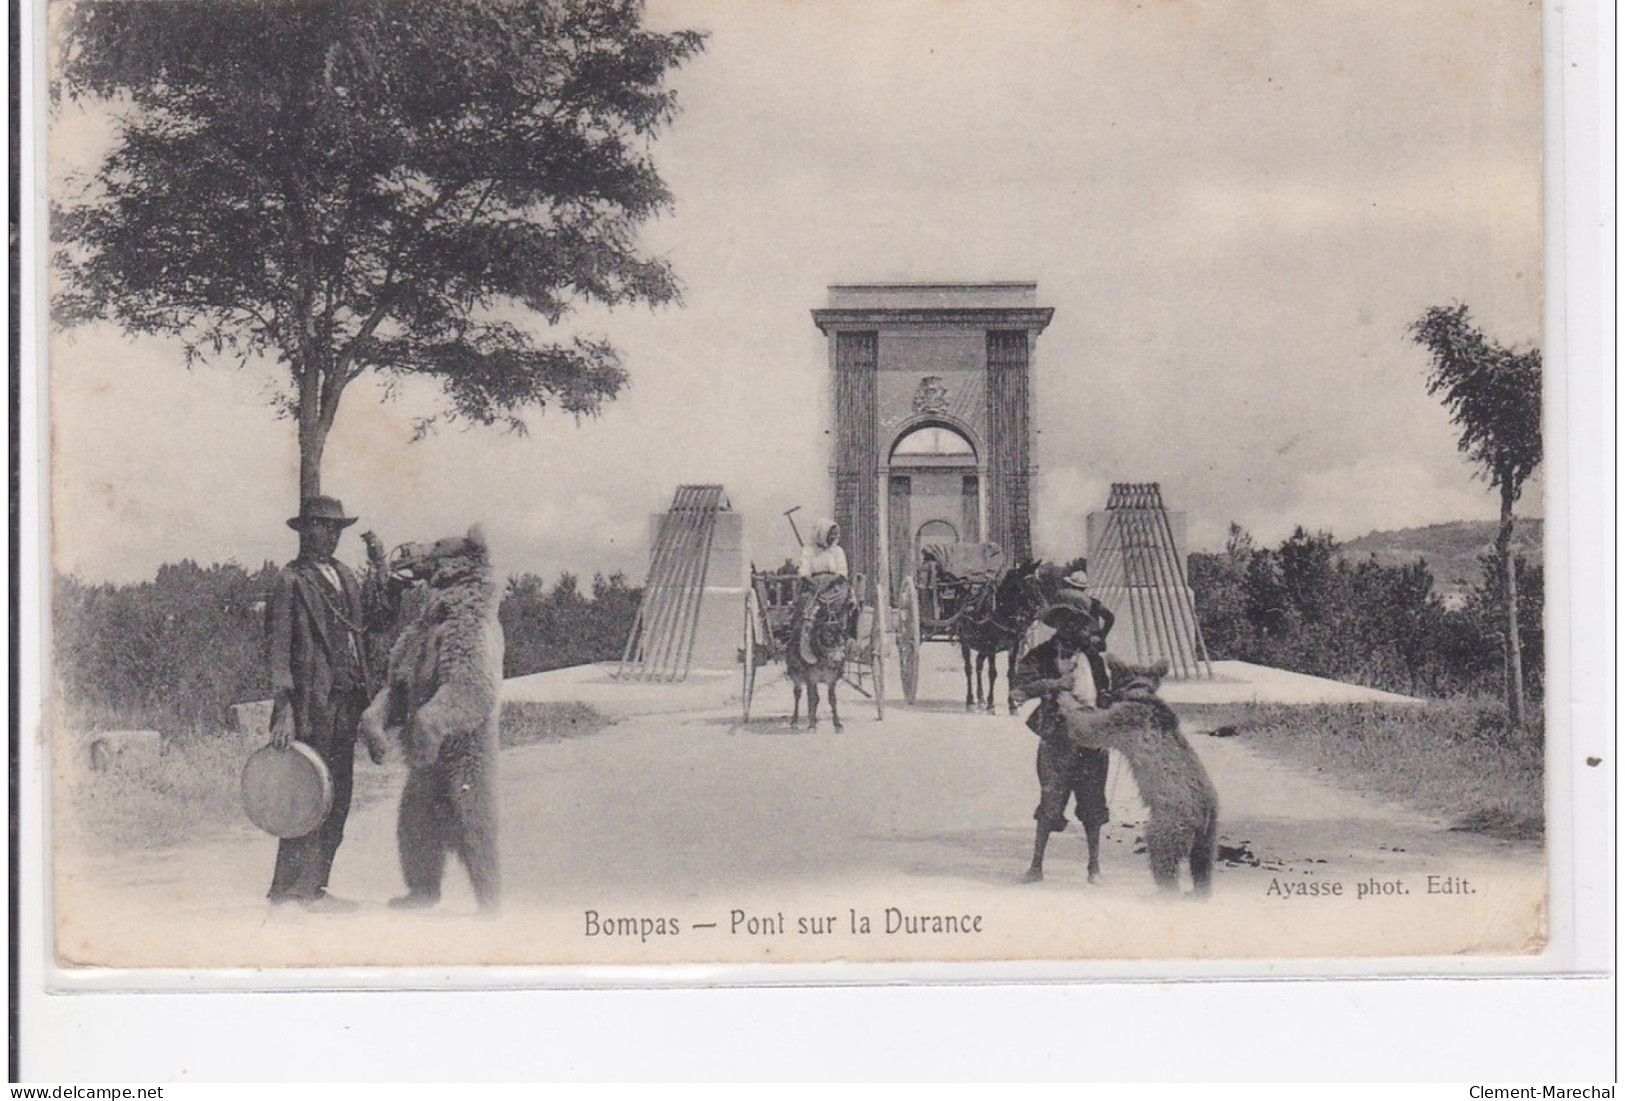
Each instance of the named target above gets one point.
<point>584,484</point>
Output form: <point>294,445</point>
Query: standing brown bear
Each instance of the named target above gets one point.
<point>1183,824</point>
<point>441,699</point>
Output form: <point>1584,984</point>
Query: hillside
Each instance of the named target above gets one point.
<point>1450,550</point>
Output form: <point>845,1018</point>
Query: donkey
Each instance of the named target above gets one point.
<point>994,619</point>
<point>830,639</point>
<point>826,671</point>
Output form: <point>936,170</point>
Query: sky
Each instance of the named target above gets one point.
<point>1235,207</point>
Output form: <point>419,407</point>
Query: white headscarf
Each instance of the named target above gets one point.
<point>826,533</point>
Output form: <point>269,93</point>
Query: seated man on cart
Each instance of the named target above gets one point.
<point>819,627</point>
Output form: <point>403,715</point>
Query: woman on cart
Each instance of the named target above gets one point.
<point>826,594</point>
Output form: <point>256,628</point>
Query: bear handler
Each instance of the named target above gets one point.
<point>320,682</point>
<point>1066,771</point>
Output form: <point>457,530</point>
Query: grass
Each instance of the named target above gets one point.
<point>157,800</point>
<point>191,792</point>
<point>533,723</point>
<point>1452,758</point>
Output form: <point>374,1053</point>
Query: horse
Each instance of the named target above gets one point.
<point>994,619</point>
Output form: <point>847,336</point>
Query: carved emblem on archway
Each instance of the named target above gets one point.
<point>931,397</point>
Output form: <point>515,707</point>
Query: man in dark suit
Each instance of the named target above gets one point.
<point>321,684</point>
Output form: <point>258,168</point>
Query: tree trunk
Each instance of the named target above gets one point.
<point>1509,587</point>
<point>312,432</point>
<point>312,442</point>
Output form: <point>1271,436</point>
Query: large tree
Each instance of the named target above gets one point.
<point>410,187</point>
<point>1494,397</point>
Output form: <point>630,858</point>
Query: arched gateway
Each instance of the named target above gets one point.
<point>932,437</point>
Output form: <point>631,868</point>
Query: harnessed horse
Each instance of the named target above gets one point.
<point>994,619</point>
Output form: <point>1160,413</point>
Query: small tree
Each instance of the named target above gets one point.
<point>1485,607</point>
<point>1220,587</point>
<point>1268,605</point>
<point>344,186</point>
<point>1494,396</point>
<point>1307,573</point>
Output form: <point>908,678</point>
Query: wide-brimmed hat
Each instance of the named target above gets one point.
<point>1066,617</point>
<point>320,509</point>
<point>1074,593</point>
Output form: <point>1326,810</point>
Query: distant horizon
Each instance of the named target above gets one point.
<point>638,577</point>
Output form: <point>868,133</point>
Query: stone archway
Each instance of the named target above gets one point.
<point>934,492</point>
<point>945,355</point>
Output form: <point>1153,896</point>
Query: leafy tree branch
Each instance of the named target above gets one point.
<point>405,187</point>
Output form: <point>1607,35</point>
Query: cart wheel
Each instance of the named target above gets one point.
<point>908,641</point>
<point>877,658</point>
<point>747,656</point>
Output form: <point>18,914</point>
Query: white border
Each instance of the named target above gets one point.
<point>1487,1029</point>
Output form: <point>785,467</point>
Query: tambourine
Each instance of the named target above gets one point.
<point>287,792</point>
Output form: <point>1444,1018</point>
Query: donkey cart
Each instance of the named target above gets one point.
<point>768,635</point>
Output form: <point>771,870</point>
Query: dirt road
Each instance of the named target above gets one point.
<point>688,837</point>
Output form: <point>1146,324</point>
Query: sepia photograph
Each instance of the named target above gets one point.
<point>566,485</point>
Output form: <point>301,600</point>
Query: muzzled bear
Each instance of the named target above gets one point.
<point>1183,824</point>
<point>441,699</point>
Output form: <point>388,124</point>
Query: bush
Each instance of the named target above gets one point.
<point>551,629</point>
<point>173,654</point>
<point>1302,607</point>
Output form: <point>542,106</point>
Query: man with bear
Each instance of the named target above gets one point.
<point>439,696</point>
<point>321,682</point>
<point>1048,672</point>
